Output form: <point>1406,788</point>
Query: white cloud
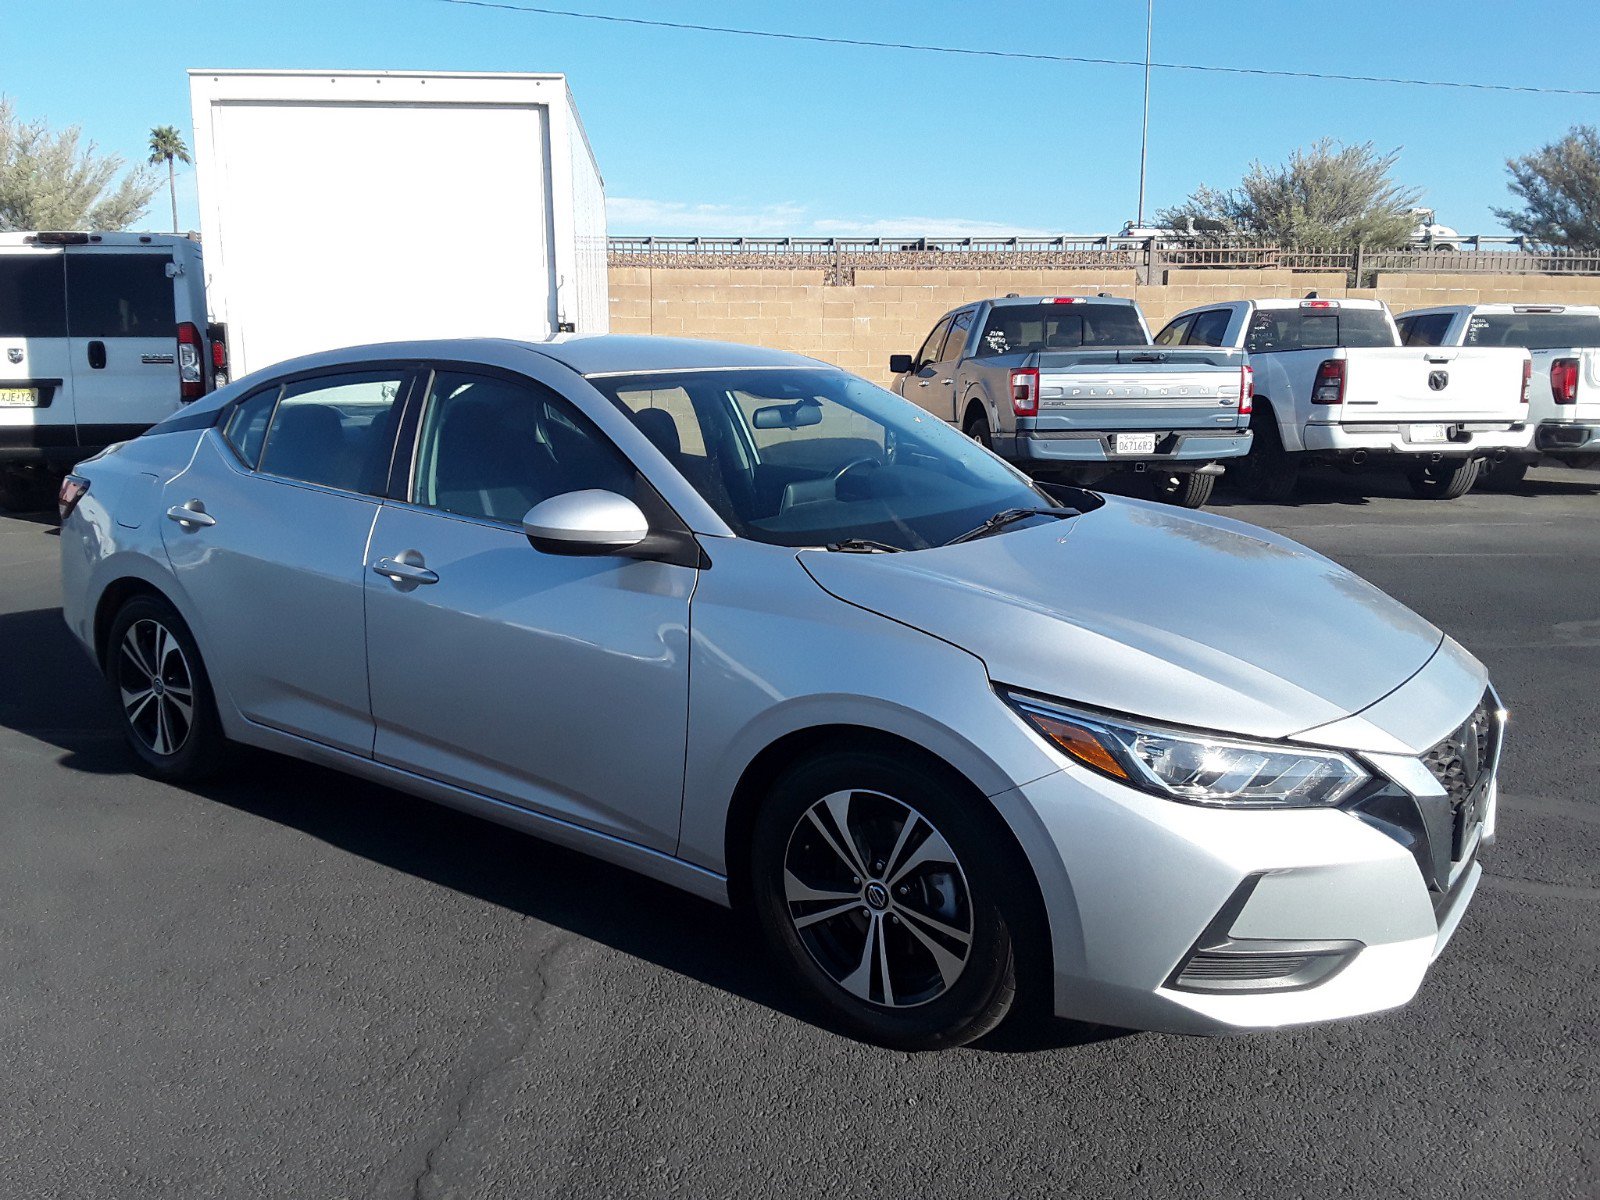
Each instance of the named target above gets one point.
<point>635,216</point>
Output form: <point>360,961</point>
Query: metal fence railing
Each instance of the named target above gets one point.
<point>1150,258</point>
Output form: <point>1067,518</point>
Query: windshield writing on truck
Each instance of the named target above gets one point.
<point>1273,329</point>
<point>1535,331</point>
<point>1028,328</point>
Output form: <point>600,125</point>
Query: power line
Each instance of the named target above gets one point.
<point>533,10</point>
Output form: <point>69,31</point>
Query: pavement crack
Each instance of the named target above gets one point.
<point>496,1062</point>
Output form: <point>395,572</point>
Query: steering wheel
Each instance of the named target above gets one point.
<point>839,490</point>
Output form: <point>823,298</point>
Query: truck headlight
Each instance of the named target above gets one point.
<point>1195,767</point>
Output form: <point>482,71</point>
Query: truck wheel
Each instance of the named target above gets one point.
<point>1268,472</point>
<point>1189,490</point>
<point>1447,480</point>
<point>1504,475</point>
<point>977,428</point>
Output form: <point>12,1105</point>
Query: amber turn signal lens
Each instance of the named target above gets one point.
<point>1079,743</point>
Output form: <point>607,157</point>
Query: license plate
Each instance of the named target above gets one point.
<point>1427,433</point>
<point>19,397</point>
<point>1134,443</point>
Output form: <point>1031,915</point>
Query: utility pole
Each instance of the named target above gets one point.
<point>1144,136</point>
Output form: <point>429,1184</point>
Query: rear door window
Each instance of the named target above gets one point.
<point>33,296</point>
<point>1426,330</point>
<point>336,430</point>
<point>120,295</point>
<point>1172,335</point>
<point>1209,328</point>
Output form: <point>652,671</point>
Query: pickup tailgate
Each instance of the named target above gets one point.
<point>1140,387</point>
<point>1432,383</point>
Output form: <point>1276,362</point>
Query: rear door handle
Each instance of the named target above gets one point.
<point>97,356</point>
<point>405,567</point>
<point>191,515</point>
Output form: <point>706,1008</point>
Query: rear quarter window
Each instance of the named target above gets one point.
<point>33,296</point>
<point>246,429</point>
<point>120,295</point>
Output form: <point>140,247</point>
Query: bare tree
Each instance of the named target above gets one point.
<point>49,181</point>
<point>1560,189</point>
<point>1327,195</point>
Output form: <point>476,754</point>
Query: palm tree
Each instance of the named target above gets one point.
<point>167,146</point>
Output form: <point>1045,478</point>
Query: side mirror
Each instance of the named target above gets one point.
<point>901,364</point>
<point>585,523</point>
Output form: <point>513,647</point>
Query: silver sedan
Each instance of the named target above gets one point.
<point>754,627</point>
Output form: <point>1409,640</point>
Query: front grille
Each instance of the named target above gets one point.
<point>1460,760</point>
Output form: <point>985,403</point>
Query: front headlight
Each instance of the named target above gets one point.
<point>1197,768</point>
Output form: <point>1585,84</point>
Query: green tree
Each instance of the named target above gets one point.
<point>167,146</point>
<point>49,181</point>
<point>1560,189</point>
<point>1329,194</point>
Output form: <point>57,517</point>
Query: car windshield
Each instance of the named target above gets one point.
<point>1535,331</point>
<point>1273,329</point>
<point>1028,328</point>
<point>803,457</point>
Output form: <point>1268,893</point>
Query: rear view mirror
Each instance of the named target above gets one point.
<point>587,522</point>
<point>787,416</point>
<point>901,364</point>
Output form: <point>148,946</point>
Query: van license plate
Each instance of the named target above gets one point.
<point>1134,443</point>
<point>19,397</point>
<point>1427,433</point>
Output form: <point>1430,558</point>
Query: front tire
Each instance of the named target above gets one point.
<point>163,694</point>
<point>880,888</point>
<point>1188,490</point>
<point>1448,480</point>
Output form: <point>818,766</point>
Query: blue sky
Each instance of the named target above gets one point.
<point>709,133</point>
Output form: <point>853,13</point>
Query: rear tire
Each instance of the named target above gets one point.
<point>1188,490</point>
<point>1268,472</point>
<point>1504,476</point>
<point>1449,480</point>
<point>159,683</point>
<point>889,898</point>
<point>977,428</point>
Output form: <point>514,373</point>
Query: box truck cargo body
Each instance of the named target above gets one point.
<point>342,207</point>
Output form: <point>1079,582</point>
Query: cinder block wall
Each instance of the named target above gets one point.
<point>884,312</point>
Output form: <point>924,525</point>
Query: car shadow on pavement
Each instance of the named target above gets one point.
<point>50,691</point>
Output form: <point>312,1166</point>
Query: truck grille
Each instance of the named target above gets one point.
<point>1460,760</point>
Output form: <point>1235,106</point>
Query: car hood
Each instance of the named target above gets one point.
<point>1186,618</point>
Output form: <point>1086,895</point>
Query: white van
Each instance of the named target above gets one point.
<point>101,336</point>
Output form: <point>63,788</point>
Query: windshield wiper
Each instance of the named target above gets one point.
<point>862,546</point>
<point>1008,517</point>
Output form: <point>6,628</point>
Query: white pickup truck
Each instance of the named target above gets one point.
<point>1333,384</point>
<point>1071,387</point>
<point>1564,396</point>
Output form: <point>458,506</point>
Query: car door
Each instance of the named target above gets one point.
<point>122,319</point>
<point>267,532</point>
<point>35,363</point>
<point>558,684</point>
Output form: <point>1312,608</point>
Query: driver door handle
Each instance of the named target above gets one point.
<point>395,570</point>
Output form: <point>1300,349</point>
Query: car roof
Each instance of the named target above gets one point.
<point>1297,301</point>
<point>627,354</point>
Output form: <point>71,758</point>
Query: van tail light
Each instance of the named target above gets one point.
<point>1527,378</point>
<point>1329,387</point>
<point>217,335</point>
<point>191,376</point>
<point>73,489</point>
<point>1025,391</point>
<point>1247,390</point>
<point>1563,380</point>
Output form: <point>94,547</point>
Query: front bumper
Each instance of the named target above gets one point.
<point>1469,439</point>
<point>1141,889</point>
<point>1083,447</point>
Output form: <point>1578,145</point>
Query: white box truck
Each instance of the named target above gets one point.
<point>342,207</point>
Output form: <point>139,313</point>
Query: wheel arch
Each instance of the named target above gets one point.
<point>117,593</point>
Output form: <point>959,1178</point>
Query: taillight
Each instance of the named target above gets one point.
<point>1563,380</point>
<point>1247,391</point>
<point>217,335</point>
<point>1527,378</point>
<point>73,489</point>
<point>1329,387</point>
<point>1065,300</point>
<point>1025,391</point>
<point>191,379</point>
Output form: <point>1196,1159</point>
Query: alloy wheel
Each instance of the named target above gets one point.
<point>878,898</point>
<point>156,686</point>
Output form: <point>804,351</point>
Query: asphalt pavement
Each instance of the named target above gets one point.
<point>294,984</point>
